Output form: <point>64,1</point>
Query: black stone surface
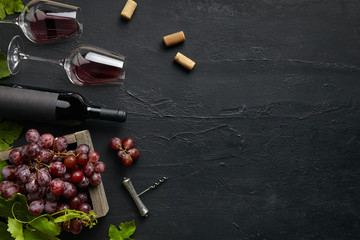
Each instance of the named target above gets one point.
<point>260,141</point>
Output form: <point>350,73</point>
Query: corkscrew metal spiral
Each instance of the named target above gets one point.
<point>160,181</point>
<point>141,206</point>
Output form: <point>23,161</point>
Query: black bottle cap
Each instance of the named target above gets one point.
<point>113,114</point>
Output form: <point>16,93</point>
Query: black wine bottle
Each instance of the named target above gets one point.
<point>23,103</point>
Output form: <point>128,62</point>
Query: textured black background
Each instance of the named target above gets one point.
<point>260,141</point>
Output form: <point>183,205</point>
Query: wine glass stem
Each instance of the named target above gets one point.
<point>40,59</point>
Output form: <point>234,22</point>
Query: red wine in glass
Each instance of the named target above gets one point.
<point>93,68</point>
<point>48,25</point>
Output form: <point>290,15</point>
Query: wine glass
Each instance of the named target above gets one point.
<point>47,21</point>
<point>86,65</point>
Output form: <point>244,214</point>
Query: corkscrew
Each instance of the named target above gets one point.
<point>136,197</point>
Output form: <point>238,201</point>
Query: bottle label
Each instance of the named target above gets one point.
<point>27,104</point>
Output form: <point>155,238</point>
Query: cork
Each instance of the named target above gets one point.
<point>184,61</point>
<point>128,9</point>
<point>174,38</point>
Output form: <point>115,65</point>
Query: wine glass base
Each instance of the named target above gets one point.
<point>14,54</point>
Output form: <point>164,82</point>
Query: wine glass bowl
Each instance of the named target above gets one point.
<point>85,65</point>
<point>44,21</point>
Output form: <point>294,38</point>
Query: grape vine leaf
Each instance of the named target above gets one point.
<point>35,235</point>
<point>16,229</point>
<point>127,229</point>
<point>9,132</point>
<point>17,204</point>
<point>5,235</point>
<point>10,7</point>
<point>4,71</point>
<point>45,226</point>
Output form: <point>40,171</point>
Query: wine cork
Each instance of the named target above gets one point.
<point>184,61</point>
<point>174,38</point>
<point>128,9</point>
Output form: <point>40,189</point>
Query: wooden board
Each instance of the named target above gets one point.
<point>97,194</point>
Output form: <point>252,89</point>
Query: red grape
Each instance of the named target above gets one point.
<point>60,144</point>
<point>62,206</point>
<point>10,191</point>
<point>75,226</point>
<point>95,179</point>
<point>50,206</point>
<point>57,169</point>
<point>66,177</point>
<point>134,153</point>
<point>15,157</point>
<point>69,190</point>
<point>77,176</point>
<point>30,197</point>
<point>36,207</point>
<point>24,153</point>
<point>5,184</point>
<point>57,186</point>
<point>70,161</point>
<point>84,207</point>
<point>128,143</point>
<point>120,153</point>
<point>75,202</point>
<point>8,172</point>
<point>93,156</point>
<point>43,177</point>
<point>126,160</point>
<point>32,136</point>
<point>49,195</point>
<point>99,167</point>
<point>83,196</point>
<point>82,159</point>
<point>115,143</point>
<point>82,148</point>
<point>84,182</point>
<point>31,185</point>
<point>46,140</point>
<point>22,174</point>
<point>45,155</point>
<point>33,150</point>
<point>88,169</point>
<point>66,225</point>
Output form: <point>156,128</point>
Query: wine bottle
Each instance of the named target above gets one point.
<point>24,103</point>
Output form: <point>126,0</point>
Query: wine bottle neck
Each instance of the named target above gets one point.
<point>109,114</point>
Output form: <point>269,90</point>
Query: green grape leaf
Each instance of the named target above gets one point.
<point>35,235</point>
<point>66,217</point>
<point>2,12</point>
<point>2,164</point>
<point>45,226</point>
<point>4,71</point>
<point>11,6</point>
<point>17,206</point>
<point>9,132</point>
<point>89,219</point>
<point>127,229</point>
<point>16,229</point>
<point>5,235</point>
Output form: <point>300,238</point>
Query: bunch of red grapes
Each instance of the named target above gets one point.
<point>51,177</point>
<point>125,149</point>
